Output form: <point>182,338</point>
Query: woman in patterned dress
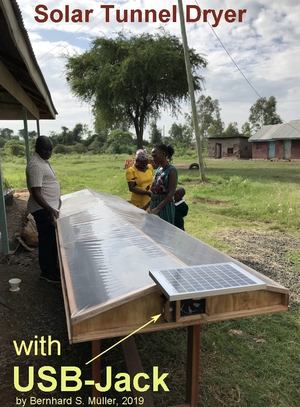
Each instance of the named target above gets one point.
<point>164,184</point>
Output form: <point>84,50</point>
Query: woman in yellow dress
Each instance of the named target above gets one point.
<point>139,178</point>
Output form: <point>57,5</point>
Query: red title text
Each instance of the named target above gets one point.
<point>193,14</point>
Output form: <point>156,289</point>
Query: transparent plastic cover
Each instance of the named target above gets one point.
<point>108,246</point>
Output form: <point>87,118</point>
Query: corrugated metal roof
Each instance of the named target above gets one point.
<point>265,133</point>
<point>17,56</point>
<point>287,131</point>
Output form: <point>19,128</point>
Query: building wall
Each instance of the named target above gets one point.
<point>260,150</point>
<point>295,152</point>
<point>245,148</point>
<point>283,150</point>
<point>238,147</point>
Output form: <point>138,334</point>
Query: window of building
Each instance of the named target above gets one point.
<point>229,150</point>
<point>258,146</point>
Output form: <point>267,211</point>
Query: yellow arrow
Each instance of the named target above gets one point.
<point>153,319</point>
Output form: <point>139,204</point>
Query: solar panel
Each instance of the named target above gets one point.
<point>205,280</point>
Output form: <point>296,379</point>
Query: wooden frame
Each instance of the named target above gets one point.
<point>121,316</point>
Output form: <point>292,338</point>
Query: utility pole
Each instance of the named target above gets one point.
<point>192,92</point>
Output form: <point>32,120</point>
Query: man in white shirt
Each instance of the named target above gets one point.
<point>44,203</point>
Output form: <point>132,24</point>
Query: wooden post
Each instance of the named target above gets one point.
<point>96,366</point>
<point>192,370</point>
<point>134,366</point>
<point>25,120</point>
<point>3,220</point>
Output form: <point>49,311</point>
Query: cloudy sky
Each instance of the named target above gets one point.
<point>265,46</point>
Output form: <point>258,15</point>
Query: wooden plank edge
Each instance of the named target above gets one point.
<point>66,273</point>
<point>64,291</point>
<point>117,332</point>
<point>113,303</point>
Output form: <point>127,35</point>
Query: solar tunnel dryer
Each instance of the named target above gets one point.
<point>121,266</point>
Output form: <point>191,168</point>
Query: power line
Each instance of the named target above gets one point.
<point>233,61</point>
<point>240,71</point>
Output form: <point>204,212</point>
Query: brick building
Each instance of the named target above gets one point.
<point>278,141</point>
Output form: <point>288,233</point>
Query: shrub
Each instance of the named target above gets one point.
<point>60,149</point>
<point>15,147</point>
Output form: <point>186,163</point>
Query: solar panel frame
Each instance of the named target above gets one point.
<point>205,280</point>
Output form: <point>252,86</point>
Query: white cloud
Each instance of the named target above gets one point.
<point>265,46</point>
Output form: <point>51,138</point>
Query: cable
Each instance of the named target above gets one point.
<point>238,68</point>
<point>227,52</point>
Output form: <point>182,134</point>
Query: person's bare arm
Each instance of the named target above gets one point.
<point>132,188</point>
<point>145,207</point>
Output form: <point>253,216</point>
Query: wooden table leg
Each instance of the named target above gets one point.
<point>134,366</point>
<point>96,367</point>
<point>192,370</point>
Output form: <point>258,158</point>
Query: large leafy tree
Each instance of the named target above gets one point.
<point>130,79</point>
<point>209,117</point>
<point>263,112</point>
<point>6,133</point>
<point>181,134</point>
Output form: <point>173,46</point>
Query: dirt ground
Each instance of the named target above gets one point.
<point>38,309</point>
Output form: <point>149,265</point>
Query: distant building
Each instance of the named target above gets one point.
<point>237,146</point>
<point>278,141</point>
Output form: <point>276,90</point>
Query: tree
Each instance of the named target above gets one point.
<point>65,137</point>
<point>31,134</point>
<point>247,129</point>
<point>99,138</point>
<point>130,79</point>
<point>6,133</point>
<point>209,117</point>
<point>70,137</point>
<point>216,128</point>
<point>263,112</point>
<point>2,141</point>
<point>119,142</point>
<point>155,134</point>
<point>181,134</point>
<point>95,147</point>
<point>78,132</point>
<point>232,130</point>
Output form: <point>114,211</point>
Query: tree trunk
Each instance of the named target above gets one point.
<point>139,140</point>
<point>139,130</point>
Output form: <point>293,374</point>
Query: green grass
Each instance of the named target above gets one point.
<point>250,362</point>
<point>245,191</point>
<point>294,257</point>
<point>260,364</point>
<point>236,192</point>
